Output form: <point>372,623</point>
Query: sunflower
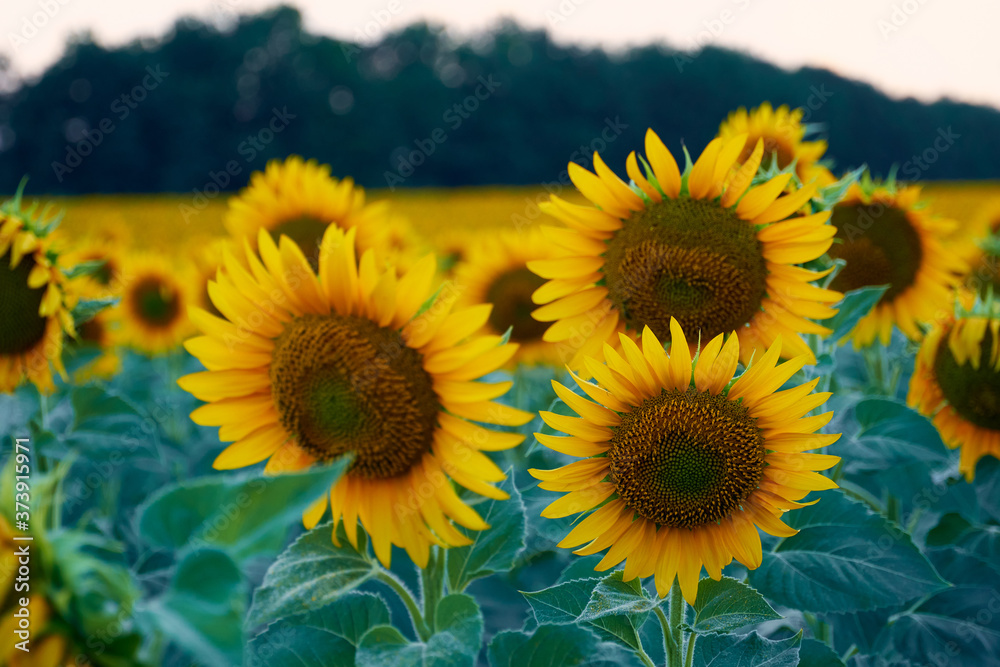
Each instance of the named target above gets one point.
<point>304,368</point>
<point>155,297</point>
<point>207,255</point>
<point>35,306</point>
<point>99,332</point>
<point>887,238</point>
<point>956,381</point>
<point>107,250</point>
<point>782,132</point>
<point>703,246</point>
<point>299,199</point>
<point>679,463</point>
<point>495,271</point>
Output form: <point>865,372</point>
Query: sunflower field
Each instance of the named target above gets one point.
<point>715,406</point>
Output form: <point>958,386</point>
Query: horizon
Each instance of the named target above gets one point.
<point>904,49</point>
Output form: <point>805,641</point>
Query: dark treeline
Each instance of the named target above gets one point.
<point>415,108</point>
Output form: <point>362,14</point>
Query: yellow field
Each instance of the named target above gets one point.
<point>163,221</point>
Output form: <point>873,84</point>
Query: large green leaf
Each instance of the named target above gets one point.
<point>987,484</point>
<point>814,653</point>
<point>854,306</point>
<point>959,627</point>
<point>844,558</point>
<point>548,646</point>
<point>727,605</point>
<point>311,573</point>
<point>242,514</point>
<point>326,637</point>
<point>456,642</point>
<point>614,609</point>
<point>202,610</point>
<point>746,651</point>
<point>493,550</point>
<point>459,615</point>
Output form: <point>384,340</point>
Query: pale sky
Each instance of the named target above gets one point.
<point>922,48</point>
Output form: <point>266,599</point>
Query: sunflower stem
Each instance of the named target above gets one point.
<point>689,659</point>
<point>393,582</point>
<point>432,583</point>
<point>676,618</point>
<point>668,637</point>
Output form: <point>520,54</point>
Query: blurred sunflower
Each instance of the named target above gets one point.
<point>299,199</point>
<point>887,238</point>
<point>782,132</point>
<point>680,464</point>
<point>105,249</point>
<point>35,306</point>
<point>305,368</point>
<point>99,332</point>
<point>978,243</point>
<point>495,271</point>
<point>703,247</point>
<point>207,260</point>
<point>956,381</point>
<point>50,644</point>
<point>154,304</point>
<point>452,245</point>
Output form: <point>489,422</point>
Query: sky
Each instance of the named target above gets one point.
<point>926,49</point>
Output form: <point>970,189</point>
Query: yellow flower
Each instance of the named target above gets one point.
<point>782,132</point>
<point>887,238</point>
<point>35,308</point>
<point>679,463</point>
<point>155,297</point>
<point>103,248</point>
<point>495,271</point>
<point>99,332</point>
<point>299,199</point>
<point>305,368</point>
<point>957,382</point>
<point>703,247</point>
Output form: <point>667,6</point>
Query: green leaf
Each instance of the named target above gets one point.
<point>459,615</point>
<point>548,646</point>
<point>959,627</point>
<point>312,573</point>
<point>203,609</point>
<point>88,268</point>
<point>844,558</point>
<point>86,309</point>
<point>727,605</point>
<point>814,653</point>
<point>614,597</point>
<point>614,609</point>
<point>385,646</point>
<point>854,306</point>
<point>750,650</point>
<point>987,483</point>
<point>243,515</point>
<point>326,637</point>
<point>493,550</point>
